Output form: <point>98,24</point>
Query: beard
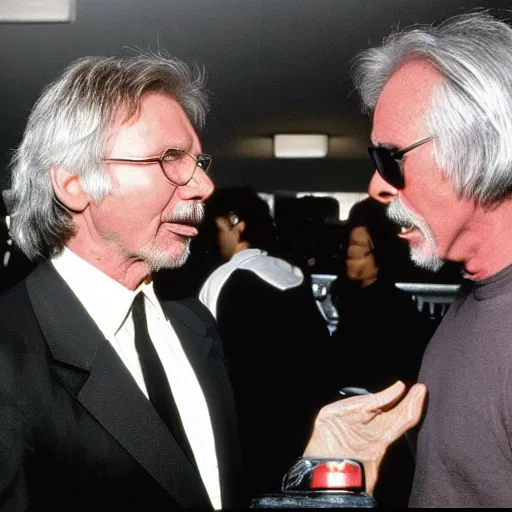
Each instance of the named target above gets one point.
<point>158,259</point>
<point>176,255</point>
<point>424,255</point>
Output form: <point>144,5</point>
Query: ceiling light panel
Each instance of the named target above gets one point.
<point>37,11</point>
<point>300,146</point>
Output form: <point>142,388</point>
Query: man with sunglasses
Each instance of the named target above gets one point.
<point>441,100</point>
<point>109,398</point>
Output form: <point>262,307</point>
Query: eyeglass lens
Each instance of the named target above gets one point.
<point>179,168</point>
<point>387,166</point>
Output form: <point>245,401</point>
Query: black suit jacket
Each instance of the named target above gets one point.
<point>277,346</point>
<point>76,432</point>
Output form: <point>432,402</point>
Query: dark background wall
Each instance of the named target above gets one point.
<point>274,66</point>
<point>268,175</point>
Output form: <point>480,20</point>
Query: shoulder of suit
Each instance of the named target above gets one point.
<point>12,299</point>
<point>198,308</point>
<point>193,313</point>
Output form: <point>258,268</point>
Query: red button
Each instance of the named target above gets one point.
<point>337,475</point>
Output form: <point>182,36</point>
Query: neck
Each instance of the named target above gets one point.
<point>368,281</point>
<point>485,246</point>
<point>131,273</point>
<point>241,246</point>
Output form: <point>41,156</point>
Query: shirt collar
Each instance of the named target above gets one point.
<point>106,300</point>
<point>247,253</point>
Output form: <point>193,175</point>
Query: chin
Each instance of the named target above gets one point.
<point>427,260</point>
<point>158,259</point>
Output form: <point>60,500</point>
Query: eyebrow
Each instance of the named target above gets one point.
<point>176,146</point>
<point>373,142</point>
<point>391,147</point>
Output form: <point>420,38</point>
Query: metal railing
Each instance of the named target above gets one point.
<point>431,299</point>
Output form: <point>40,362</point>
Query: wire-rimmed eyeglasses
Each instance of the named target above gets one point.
<point>386,162</point>
<point>174,166</point>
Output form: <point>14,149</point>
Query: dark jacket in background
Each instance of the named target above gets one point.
<point>276,344</point>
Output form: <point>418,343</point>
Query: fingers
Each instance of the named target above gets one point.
<point>414,403</point>
<point>395,421</point>
<point>405,415</point>
<point>364,426</point>
<point>362,404</point>
<point>390,396</point>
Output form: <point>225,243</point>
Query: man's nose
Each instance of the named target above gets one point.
<point>381,190</point>
<point>200,187</point>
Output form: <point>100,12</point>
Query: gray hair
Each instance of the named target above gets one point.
<point>471,112</point>
<point>70,128</point>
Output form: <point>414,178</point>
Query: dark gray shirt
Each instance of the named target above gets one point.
<point>464,455</point>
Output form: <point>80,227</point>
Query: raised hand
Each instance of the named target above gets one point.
<point>363,427</point>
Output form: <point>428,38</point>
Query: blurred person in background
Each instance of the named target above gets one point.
<point>14,265</point>
<point>381,334</point>
<point>374,356</point>
<point>275,340</point>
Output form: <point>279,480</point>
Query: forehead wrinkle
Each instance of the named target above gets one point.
<point>151,123</point>
<point>399,117</point>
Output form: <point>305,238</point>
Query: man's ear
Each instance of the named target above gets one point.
<point>68,190</point>
<point>233,219</point>
<point>240,227</point>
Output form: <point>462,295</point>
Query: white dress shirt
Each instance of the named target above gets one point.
<point>109,304</point>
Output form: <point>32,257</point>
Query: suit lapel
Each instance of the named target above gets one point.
<point>88,366</point>
<point>204,352</point>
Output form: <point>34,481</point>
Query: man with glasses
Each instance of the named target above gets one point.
<point>109,398</point>
<point>441,100</point>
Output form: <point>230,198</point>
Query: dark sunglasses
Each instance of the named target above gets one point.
<point>386,162</point>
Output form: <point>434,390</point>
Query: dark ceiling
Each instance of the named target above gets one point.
<point>274,66</point>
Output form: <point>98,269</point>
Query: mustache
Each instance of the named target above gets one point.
<point>189,214</point>
<point>399,214</point>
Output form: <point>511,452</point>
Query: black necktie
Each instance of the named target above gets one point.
<point>155,378</point>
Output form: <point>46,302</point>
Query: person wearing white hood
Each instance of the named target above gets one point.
<point>276,341</point>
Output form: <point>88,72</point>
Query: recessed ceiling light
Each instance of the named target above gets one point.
<point>37,11</point>
<point>300,145</point>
